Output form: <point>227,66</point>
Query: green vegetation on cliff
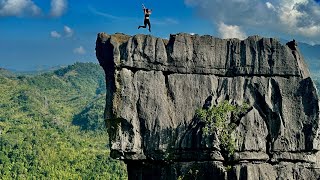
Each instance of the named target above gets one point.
<point>51,126</point>
<point>221,119</point>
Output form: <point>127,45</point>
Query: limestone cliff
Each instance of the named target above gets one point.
<point>154,87</point>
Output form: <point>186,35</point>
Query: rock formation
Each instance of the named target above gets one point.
<point>154,87</point>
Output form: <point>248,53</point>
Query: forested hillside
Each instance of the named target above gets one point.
<point>51,125</point>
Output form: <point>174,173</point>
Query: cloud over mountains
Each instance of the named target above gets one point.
<point>300,18</point>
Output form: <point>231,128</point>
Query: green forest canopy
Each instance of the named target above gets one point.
<point>51,125</point>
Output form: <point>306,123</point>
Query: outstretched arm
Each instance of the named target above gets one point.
<point>143,7</point>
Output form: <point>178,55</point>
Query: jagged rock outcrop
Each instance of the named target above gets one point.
<point>154,87</point>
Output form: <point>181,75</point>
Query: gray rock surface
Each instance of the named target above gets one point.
<point>154,87</point>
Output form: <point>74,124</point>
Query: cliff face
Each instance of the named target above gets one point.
<point>154,87</point>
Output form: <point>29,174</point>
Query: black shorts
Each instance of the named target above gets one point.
<point>147,22</point>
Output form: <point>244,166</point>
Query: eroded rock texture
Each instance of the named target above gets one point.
<point>154,87</point>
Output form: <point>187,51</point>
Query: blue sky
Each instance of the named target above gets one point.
<point>43,33</point>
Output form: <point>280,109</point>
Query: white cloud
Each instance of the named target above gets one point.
<point>68,31</point>
<point>310,31</point>
<point>55,34</point>
<point>230,31</point>
<point>18,8</point>
<point>299,19</point>
<point>80,50</point>
<point>270,6</point>
<point>58,7</point>
<point>288,13</point>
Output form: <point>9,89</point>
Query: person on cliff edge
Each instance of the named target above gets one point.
<point>147,13</point>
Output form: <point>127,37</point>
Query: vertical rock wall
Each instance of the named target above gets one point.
<point>154,87</point>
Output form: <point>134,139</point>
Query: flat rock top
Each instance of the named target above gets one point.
<point>195,54</point>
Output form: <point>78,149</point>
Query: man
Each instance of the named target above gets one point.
<point>147,13</point>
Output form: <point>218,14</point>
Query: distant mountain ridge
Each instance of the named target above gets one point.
<point>6,73</point>
<point>312,55</point>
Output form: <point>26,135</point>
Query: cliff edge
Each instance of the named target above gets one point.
<point>155,86</point>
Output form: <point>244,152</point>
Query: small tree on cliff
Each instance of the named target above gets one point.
<point>222,119</point>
